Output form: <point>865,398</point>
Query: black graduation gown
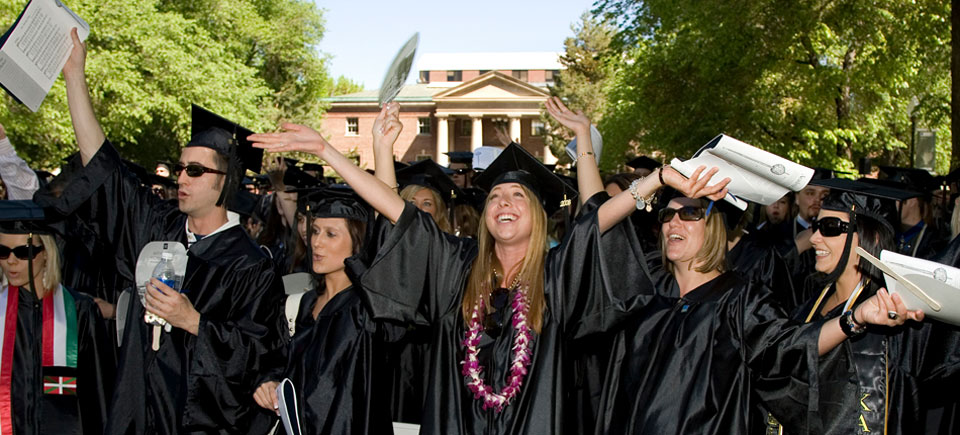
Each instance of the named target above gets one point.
<point>757,258</point>
<point>419,276</point>
<point>885,377</point>
<point>693,364</point>
<point>37,413</point>
<point>193,384</point>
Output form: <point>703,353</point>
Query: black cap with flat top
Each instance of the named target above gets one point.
<point>516,165</point>
<point>428,173</point>
<point>229,139</point>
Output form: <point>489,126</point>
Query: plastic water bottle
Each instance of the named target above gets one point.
<point>163,272</point>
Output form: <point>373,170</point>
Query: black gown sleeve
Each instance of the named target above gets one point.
<point>604,278</point>
<point>419,272</point>
<point>109,199</point>
<point>781,354</point>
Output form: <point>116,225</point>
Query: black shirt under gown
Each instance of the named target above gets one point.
<point>37,413</point>
<point>419,276</point>
<point>193,384</point>
<point>885,377</point>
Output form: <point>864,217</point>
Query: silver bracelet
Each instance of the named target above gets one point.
<point>642,203</point>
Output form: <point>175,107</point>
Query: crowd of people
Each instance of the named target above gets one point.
<point>507,300</point>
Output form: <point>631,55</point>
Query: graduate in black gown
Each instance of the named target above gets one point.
<point>500,308</point>
<point>56,361</point>
<point>881,379</point>
<point>202,377</point>
<point>335,358</point>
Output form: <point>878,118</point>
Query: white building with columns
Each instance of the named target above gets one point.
<point>461,102</point>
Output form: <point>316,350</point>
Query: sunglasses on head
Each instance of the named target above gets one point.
<point>830,226</point>
<point>194,170</point>
<point>687,213</point>
<point>21,252</point>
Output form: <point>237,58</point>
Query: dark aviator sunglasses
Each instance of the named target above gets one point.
<point>194,170</point>
<point>687,213</point>
<point>21,252</point>
<point>830,226</point>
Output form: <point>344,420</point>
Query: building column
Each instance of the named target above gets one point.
<point>548,157</point>
<point>476,138</point>
<point>443,141</point>
<point>516,131</point>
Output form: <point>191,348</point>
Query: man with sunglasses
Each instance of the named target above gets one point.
<point>198,378</point>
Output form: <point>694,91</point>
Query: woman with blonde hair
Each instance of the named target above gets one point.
<point>55,350</point>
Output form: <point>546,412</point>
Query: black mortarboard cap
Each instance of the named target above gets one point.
<point>823,174</point>
<point>867,199</point>
<point>149,178</point>
<point>644,162</point>
<point>428,173</point>
<point>312,167</point>
<point>399,165</point>
<point>472,196</point>
<point>290,161</point>
<point>465,157</point>
<point>227,138</point>
<point>516,165</point>
<point>915,179</point>
<point>337,201</point>
<point>24,217</point>
<point>295,178</point>
<point>246,204</point>
<point>203,132</point>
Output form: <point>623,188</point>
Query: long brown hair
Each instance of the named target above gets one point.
<point>486,266</point>
<point>441,217</point>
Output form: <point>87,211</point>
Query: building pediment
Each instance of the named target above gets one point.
<point>492,86</point>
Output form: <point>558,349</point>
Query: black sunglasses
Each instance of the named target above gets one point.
<point>21,252</point>
<point>687,213</point>
<point>194,170</point>
<point>830,226</point>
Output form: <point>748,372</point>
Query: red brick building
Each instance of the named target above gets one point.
<point>458,104</point>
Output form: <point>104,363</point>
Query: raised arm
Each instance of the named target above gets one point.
<point>386,129</point>
<point>301,138</point>
<point>89,134</point>
<point>880,309</point>
<point>588,173</point>
<point>20,180</point>
<point>625,203</point>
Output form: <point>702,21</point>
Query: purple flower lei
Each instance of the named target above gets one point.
<point>472,369</point>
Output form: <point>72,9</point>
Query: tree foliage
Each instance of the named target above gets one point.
<point>147,60</point>
<point>821,82</point>
<point>581,84</point>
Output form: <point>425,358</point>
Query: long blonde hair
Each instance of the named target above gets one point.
<point>486,266</point>
<point>50,276</point>
<point>441,217</point>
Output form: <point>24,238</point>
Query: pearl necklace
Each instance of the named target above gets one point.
<point>472,369</point>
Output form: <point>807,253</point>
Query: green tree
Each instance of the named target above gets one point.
<point>147,61</point>
<point>583,81</point>
<point>344,86</point>
<point>821,82</point>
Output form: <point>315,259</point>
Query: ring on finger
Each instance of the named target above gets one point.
<point>892,315</point>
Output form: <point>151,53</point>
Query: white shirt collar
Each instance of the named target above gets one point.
<point>803,222</point>
<point>233,220</point>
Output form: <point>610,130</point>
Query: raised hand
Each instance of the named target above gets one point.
<point>886,309</point>
<point>387,126</point>
<point>295,137</point>
<point>695,186</point>
<point>576,121</point>
<point>78,57</point>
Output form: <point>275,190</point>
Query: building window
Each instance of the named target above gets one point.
<point>455,76</point>
<point>520,74</point>
<point>423,125</point>
<point>538,128</point>
<point>551,75</point>
<point>466,127</point>
<point>353,127</point>
<point>424,76</point>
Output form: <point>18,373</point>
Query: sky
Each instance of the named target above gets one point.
<point>363,36</point>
